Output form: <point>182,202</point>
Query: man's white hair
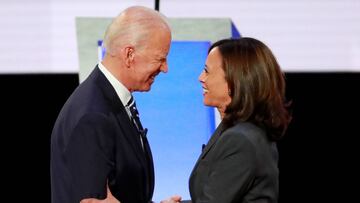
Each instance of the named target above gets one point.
<point>133,27</point>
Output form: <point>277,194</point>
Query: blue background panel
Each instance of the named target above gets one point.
<point>177,120</point>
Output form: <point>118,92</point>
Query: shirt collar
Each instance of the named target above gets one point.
<point>122,92</point>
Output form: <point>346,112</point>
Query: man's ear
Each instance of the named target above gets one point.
<point>129,55</point>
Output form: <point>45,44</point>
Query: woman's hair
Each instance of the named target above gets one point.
<point>256,85</point>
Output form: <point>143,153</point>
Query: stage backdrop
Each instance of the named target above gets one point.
<point>177,120</point>
<point>306,35</point>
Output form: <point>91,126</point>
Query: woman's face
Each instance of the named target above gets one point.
<point>212,79</point>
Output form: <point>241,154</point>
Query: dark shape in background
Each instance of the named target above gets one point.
<point>318,156</point>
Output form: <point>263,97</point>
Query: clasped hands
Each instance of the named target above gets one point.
<point>111,199</point>
<point>172,199</point>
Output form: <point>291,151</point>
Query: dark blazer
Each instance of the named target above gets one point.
<point>239,165</point>
<point>94,143</point>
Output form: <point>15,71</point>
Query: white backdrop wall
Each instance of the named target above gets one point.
<point>308,35</point>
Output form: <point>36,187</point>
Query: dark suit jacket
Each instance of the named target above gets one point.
<point>94,141</point>
<point>238,164</point>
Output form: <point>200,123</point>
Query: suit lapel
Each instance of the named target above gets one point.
<point>144,155</point>
<point>213,139</point>
<point>131,135</point>
<point>129,130</point>
<point>219,130</point>
<point>150,167</point>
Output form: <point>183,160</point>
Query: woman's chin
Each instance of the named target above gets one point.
<point>207,103</point>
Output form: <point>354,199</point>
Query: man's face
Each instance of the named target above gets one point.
<point>151,60</point>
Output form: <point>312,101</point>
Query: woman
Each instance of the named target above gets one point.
<point>243,80</point>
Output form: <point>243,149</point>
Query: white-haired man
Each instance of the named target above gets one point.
<point>98,149</point>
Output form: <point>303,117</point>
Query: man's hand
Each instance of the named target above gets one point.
<point>172,199</point>
<point>109,198</point>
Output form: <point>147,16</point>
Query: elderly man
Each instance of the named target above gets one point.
<point>99,151</point>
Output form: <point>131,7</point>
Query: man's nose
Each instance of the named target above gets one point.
<point>164,67</point>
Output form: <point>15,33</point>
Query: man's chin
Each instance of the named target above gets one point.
<point>145,89</point>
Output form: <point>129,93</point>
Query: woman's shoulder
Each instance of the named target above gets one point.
<point>244,129</point>
<point>245,132</point>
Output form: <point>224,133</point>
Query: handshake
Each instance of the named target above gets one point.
<point>175,199</point>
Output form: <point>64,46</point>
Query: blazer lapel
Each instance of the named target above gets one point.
<point>219,130</point>
<point>213,139</point>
